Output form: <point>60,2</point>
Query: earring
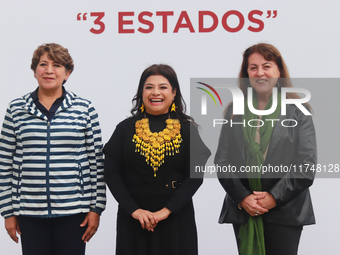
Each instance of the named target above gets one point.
<point>278,83</point>
<point>173,107</point>
<point>142,107</point>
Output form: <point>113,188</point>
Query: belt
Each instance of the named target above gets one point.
<point>173,184</point>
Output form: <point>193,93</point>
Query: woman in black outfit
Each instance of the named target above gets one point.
<point>147,168</point>
<point>267,211</point>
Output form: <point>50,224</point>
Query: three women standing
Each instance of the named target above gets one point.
<point>51,172</point>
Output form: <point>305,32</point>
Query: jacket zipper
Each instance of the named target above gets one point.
<point>48,168</point>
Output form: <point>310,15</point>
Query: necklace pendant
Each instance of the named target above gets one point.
<point>154,146</point>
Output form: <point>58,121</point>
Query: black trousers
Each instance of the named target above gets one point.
<point>52,236</point>
<point>279,239</point>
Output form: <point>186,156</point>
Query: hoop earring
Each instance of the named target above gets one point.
<point>142,107</point>
<point>173,107</point>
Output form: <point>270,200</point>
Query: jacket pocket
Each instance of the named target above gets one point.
<point>81,178</point>
<point>19,180</point>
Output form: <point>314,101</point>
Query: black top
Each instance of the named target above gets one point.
<point>57,103</point>
<point>131,180</point>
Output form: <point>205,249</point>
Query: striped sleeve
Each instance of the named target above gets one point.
<point>95,155</point>
<point>7,149</point>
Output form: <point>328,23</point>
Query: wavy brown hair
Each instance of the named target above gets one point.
<point>270,53</point>
<point>56,52</point>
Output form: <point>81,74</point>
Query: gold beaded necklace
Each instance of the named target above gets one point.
<point>154,146</point>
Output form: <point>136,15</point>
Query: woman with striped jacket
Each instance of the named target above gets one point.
<point>51,166</point>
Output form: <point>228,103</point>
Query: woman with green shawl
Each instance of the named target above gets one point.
<point>268,211</point>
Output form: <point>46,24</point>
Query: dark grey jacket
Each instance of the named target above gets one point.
<point>290,147</point>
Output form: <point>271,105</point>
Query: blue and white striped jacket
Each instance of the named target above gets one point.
<point>51,168</point>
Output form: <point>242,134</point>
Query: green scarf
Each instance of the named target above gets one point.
<point>251,234</point>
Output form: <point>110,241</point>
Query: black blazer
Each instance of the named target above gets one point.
<point>290,147</point>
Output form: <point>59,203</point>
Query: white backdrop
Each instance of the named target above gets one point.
<point>108,66</point>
